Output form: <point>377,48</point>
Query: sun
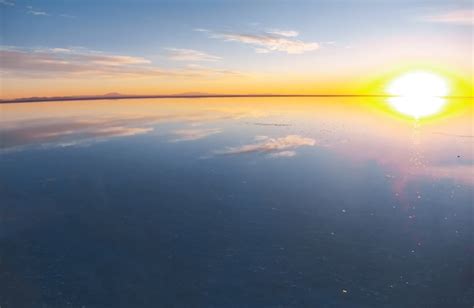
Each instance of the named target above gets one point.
<point>418,94</point>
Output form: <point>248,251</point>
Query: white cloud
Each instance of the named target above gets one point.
<point>283,154</point>
<point>194,134</point>
<point>275,147</point>
<point>60,50</point>
<point>262,50</point>
<point>180,54</point>
<point>268,41</point>
<point>35,12</point>
<point>287,33</point>
<point>457,17</point>
<point>195,70</point>
<point>6,2</point>
<point>200,30</point>
<point>260,137</point>
<point>120,131</point>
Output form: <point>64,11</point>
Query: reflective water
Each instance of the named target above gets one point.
<point>236,202</point>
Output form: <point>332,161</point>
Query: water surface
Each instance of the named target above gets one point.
<point>235,202</point>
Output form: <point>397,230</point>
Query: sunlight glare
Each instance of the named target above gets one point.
<point>418,94</point>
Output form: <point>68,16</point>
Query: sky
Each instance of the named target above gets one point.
<point>56,48</point>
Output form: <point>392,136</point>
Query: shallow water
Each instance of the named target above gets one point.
<point>234,202</point>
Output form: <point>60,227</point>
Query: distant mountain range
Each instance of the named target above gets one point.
<point>116,95</point>
<point>111,95</point>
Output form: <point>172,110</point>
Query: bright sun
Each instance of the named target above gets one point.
<point>418,94</point>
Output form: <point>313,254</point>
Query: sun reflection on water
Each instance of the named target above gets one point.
<point>417,107</point>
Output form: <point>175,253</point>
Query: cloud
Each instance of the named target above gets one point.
<point>6,2</point>
<point>268,41</point>
<point>287,33</point>
<point>283,154</point>
<point>179,54</point>
<point>71,62</point>
<point>110,60</point>
<point>60,50</point>
<point>83,63</point>
<point>194,134</point>
<point>120,131</point>
<point>36,12</point>
<point>456,17</point>
<point>274,147</point>
<point>195,70</point>
<point>268,124</point>
<point>262,50</point>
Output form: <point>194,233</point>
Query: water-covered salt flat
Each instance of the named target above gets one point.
<point>234,202</point>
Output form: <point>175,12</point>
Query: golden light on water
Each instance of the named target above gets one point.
<point>418,94</point>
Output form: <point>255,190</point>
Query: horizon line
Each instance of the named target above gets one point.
<point>36,99</point>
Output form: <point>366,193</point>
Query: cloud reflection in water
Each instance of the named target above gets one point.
<point>275,147</point>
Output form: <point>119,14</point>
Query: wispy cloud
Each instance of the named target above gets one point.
<point>287,33</point>
<point>267,41</point>
<point>7,2</point>
<point>36,12</point>
<point>283,154</point>
<point>194,133</point>
<point>457,17</point>
<point>70,62</point>
<point>180,54</point>
<point>80,62</point>
<point>60,50</point>
<point>195,70</point>
<point>274,147</point>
